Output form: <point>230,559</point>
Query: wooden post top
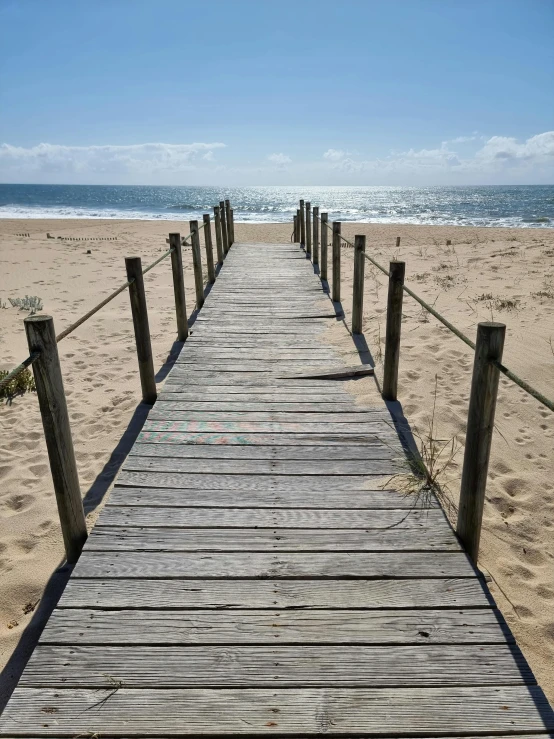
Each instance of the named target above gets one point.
<point>491,325</point>
<point>206,217</point>
<point>41,318</point>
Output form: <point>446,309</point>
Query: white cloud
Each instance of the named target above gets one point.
<point>501,157</point>
<point>335,155</point>
<point>279,159</point>
<point>134,159</point>
<point>461,139</point>
<point>538,148</point>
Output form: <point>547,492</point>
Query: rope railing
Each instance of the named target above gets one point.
<point>523,384</point>
<point>42,341</point>
<point>35,355</point>
<point>487,363</point>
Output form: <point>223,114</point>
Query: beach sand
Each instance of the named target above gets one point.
<point>507,274</point>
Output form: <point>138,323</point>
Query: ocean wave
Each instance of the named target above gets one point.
<point>513,207</point>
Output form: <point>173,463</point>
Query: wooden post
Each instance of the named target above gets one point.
<point>232,217</point>
<point>224,231</point>
<point>209,247</point>
<point>324,228</point>
<point>197,264</point>
<point>294,228</point>
<point>228,221</point>
<point>315,245</point>
<point>218,238</point>
<point>358,287</point>
<point>336,261</point>
<point>302,224</point>
<point>298,226</point>
<point>179,286</point>
<point>480,425</point>
<point>394,327</point>
<point>308,230</point>
<point>139,310</point>
<point>397,241</point>
<point>41,337</point>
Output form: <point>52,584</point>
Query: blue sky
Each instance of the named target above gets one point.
<point>357,92</point>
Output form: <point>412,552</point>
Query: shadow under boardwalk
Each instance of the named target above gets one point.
<point>250,575</point>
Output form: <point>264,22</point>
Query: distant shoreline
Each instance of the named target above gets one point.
<point>513,206</point>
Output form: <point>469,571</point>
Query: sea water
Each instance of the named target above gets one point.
<point>516,206</point>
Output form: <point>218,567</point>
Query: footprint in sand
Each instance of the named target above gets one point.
<point>18,503</point>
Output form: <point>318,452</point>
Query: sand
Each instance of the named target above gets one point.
<point>504,273</point>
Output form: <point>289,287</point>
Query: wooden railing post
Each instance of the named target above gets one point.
<point>358,287</point>
<point>197,264</point>
<point>209,247</point>
<point>308,230</point>
<point>179,286</point>
<point>294,228</point>
<point>394,327</point>
<point>229,223</point>
<point>139,310</point>
<point>232,219</point>
<point>224,230</point>
<point>336,261</point>
<point>397,241</point>
<point>315,245</point>
<point>302,224</point>
<point>480,424</point>
<point>298,226</point>
<point>218,237</point>
<point>41,337</point>
<point>324,241</point>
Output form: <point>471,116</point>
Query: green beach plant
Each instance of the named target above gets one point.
<point>24,382</point>
<point>30,303</point>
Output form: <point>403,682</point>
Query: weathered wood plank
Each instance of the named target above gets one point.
<point>116,539</point>
<point>373,450</point>
<point>272,518</point>
<point>368,565</point>
<point>139,463</point>
<point>269,593</point>
<point>169,409</point>
<point>316,405</point>
<point>364,712</point>
<point>153,435</point>
<point>239,482</point>
<point>312,666</point>
<point>261,497</point>
<point>345,626</point>
<point>265,427</point>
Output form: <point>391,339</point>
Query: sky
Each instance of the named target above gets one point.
<point>254,92</point>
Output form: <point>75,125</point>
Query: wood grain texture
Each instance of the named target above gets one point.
<point>152,434</point>
<point>269,593</point>
<point>240,482</point>
<point>359,453</point>
<point>340,626</point>
<point>262,497</point>
<point>321,468</point>
<point>432,519</point>
<point>238,565</point>
<point>63,712</point>
<point>142,539</point>
<point>283,666</point>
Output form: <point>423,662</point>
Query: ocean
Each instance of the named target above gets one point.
<point>515,206</point>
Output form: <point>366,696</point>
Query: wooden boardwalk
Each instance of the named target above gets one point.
<point>248,575</point>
